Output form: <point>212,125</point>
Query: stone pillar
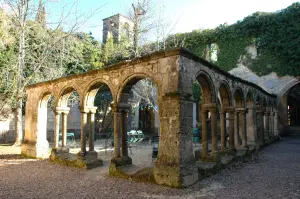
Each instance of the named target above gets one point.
<point>251,126</point>
<point>175,165</point>
<point>213,130</point>
<point>115,110</point>
<point>204,133</point>
<point>124,146</point>
<point>236,130</point>
<point>272,124</point>
<point>260,125</point>
<point>243,127</point>
<point>222,128</point>
<point>56,128</point>
<point>92,128</point>
<point>124,109</point>
<point>83,125</point>
<point>64,128</point>
<point>267,123</point>
<point>231,128</point>
<point>276,132</point>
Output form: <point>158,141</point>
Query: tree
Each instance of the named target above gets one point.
<point>142,17</point>
<point>37,49</point>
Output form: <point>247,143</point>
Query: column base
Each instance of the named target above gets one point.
<point>175,175</point>
<point>67,159</point>
<point>35,149</point>
<point>121,161</point>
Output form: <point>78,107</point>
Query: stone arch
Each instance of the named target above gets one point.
<point>44,98</point>
<point>91,91</point>
<point>207,87</point>
<point>43,116</point>
<point>65,93</point>
<point>287,88</point>
<point>239,100</point>
<point>132,80</point>
<point>225,95</point>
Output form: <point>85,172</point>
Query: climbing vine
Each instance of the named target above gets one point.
<point>275,35</point>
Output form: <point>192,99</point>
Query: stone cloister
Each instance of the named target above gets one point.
<point>229,105</point>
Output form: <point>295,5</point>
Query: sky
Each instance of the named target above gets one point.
<point>185,16</point>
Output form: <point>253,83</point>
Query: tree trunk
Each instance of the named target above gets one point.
<point>21,65</point>
<point>18,123</point>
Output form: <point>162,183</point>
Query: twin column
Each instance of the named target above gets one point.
<point>87,125</point>
<point>87,119</point>
<point>120,130</point>
<point>205,108</point>
<point>61,111</point>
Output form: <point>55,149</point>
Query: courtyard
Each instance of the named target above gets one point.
<point>274,173</point>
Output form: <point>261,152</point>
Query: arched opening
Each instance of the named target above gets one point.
<point>100,120</point>
<point>207,118</point>
<point>293,106</point>
<point>250,119</point>
<point>68,124</point>
<point>139,98</point>
<point>288,108</point>
<point>239,119</point>
<point>45,125</point>
<point>239,98</point>
<point>225,123</point>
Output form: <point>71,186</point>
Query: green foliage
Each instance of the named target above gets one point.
<point>276,36</point>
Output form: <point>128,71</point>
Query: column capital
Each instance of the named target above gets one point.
<point>267,113</point>
<point>114,108</point>
<point>228,108</point>
<point>84,109</point>
<point>60,110</point>
<point>124,107</point>
<point>93,110</point>
<point>209,107</point>
<point>241,110</point>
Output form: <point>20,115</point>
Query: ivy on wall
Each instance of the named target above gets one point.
<point>276,36</point>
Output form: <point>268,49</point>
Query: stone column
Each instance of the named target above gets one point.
<point>175,165</point>
<point>213,130</point>
<point>64,128</point>
<point>243,127</point>
<point>83,125</point>
<point>115,110</point>
<point>92,128</point>
<point>260,125</point>
<point>272,124</point>
<point>204,133</point>
<point>231,128</point>
<point>56,128</point>
<point>276,133</point>
<point>124,145</point>
<point>222,128</point>
<point>236,130</point>
<point>267,123</point>
<point>251,126</point>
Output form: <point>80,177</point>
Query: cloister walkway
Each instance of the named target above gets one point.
<point>273,174</point>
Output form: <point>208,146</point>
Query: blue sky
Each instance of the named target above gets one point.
<point>187,15</point>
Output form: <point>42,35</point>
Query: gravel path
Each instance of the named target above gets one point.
<point>274,174</point>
